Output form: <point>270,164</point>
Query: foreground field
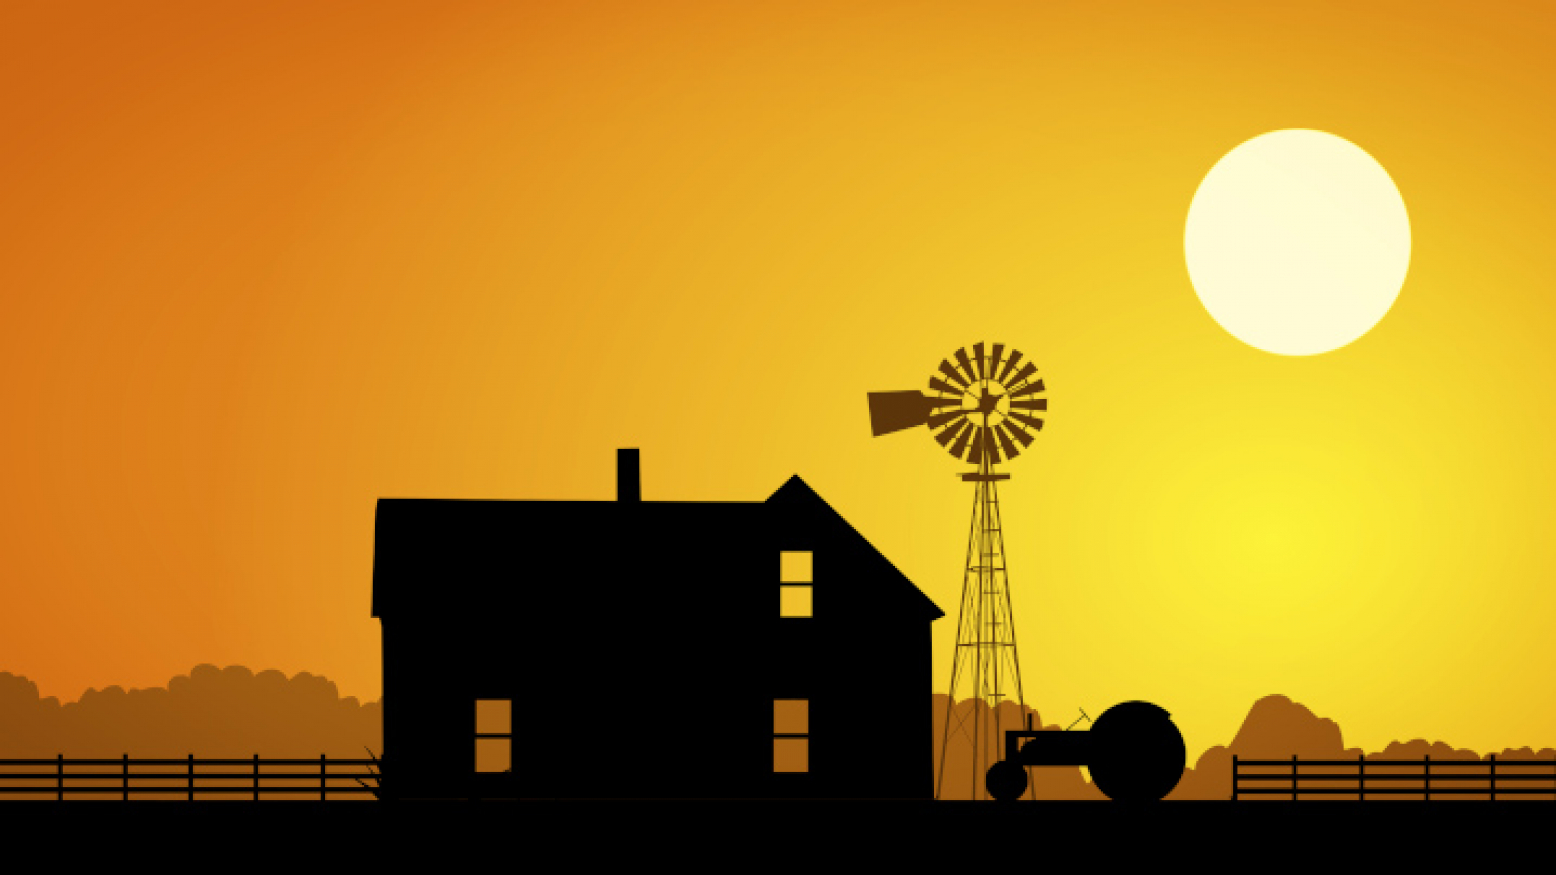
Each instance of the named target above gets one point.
<point>744,834</point>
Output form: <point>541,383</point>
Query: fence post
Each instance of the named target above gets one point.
<point>1293,777</point>
<point>1234,777</point>
<point>1493,777</point>
<point>256,777</point>
<point>1361,778</point>
<point>191,777</point>
<point>59,772</point>
<point>126,777</point>
<point>322,774</point>
<point>1426,776</point>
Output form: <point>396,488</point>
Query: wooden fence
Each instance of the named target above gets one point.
<point>1426,778</point>
<point>187,778</point>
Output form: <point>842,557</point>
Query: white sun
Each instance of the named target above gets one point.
<point>1297,242</point>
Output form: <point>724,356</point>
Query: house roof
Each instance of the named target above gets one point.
<point>432,551</point>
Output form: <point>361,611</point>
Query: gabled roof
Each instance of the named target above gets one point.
<point>796,497</point>
<point>446,551</point>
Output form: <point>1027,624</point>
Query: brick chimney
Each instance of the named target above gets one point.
<point>629,484</point>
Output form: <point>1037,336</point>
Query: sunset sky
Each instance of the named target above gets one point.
<point>263,263</point>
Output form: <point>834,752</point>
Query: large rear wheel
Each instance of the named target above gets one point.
<point>1138,753</point>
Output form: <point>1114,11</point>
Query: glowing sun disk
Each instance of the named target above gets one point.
<point>1297,242</point>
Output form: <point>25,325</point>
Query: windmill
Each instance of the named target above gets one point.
<point>984,408</point>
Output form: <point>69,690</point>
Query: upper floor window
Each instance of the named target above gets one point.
<point>794,579</point>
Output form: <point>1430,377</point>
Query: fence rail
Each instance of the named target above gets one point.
<point>1424,778</point>
<point>124,778</point>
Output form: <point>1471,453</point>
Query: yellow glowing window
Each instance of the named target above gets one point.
<point>794,572</point>
<point>793,601</point>
<point>493,735</point>
<point>794,566</point>
<point>791,735</point>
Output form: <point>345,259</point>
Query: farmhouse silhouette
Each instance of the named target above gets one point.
<point>632,648</point>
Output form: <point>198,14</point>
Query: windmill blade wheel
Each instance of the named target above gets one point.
<point>986,395</point>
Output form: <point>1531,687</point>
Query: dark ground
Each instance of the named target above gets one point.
<point>816,835</point>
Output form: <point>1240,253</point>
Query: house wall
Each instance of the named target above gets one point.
<point>870,732</point>
<point>653,674</point>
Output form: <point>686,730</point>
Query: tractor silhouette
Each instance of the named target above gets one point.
<point>1134,753</point>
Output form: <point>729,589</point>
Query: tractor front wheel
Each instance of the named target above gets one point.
<point>1006,781</point>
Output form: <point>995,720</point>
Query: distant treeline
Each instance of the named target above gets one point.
<point>233,712</point>
<point>210,712</point>
<point>1278,728</point>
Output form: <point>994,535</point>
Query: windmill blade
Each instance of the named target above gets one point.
<point>1031,422</point>
<point>1029,389</point>
<point>1030,403</point>
<point>940,419</point>
<point>974,446</point>
<point>952,431</point>
<point>978,359</point>
<point>959,448</point>
<point>961,356</point>
<point>983,447</point>
<point>1005,442</point>
<point>994,360</point>
<point>950,371</point>
<point>1015,357</point>
<point>895,411</point>
<point>1017,431</point>
<point>940,385</point>
<point>1026,370</point>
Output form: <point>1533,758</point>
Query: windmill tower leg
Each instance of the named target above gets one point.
<point>985,671</point>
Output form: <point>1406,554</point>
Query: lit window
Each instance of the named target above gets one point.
<point>793,601</point>
<point>794,575</point>
<point>794,566</point>
<point>791,735</point>
<point>493,735</point>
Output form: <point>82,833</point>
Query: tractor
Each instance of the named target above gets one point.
<point>1134,753</point>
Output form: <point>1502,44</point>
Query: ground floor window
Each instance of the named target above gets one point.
<point>791,735</point>
<point>493,735</point>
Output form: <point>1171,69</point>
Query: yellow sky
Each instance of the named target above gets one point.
<point>262,267</point>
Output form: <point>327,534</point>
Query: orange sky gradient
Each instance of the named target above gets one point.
<point>263,263</point>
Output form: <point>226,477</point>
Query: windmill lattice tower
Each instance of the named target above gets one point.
<point>981,408</point>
